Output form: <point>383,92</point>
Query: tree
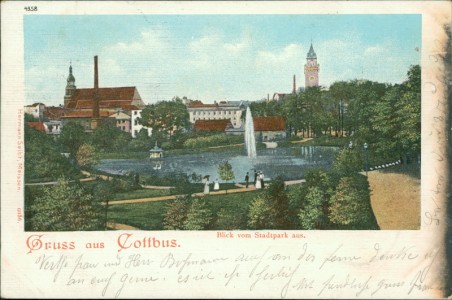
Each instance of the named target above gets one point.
<point>176,214</point>
<point>270,210</point>
<point>260,214</point>
<point>225,172</point>
<point>105,135</point>
<point>72,136</point>
<point>30,118</point>
<point>386,125</point>
<point>408,112</point>
<point>199,215</point>
<point>43,160</point>
<point>86,156</point>
<point>350,205</point>
<point>294,110</point>
<point>266,108</point>
<point>141,142</point>
<point>312,215</point>
<point>65,207</point>
<point>165,116</point>
<point>279,203</point>
<point>348,161</point>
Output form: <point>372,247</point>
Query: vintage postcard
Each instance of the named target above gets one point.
<point>225,149</point>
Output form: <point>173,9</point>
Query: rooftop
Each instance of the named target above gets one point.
<point>274,123</point>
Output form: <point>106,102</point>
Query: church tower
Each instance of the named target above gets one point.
<point>311,69</point>
<point>70,87</point>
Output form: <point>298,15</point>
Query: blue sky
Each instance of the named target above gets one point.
<point>213,57</point>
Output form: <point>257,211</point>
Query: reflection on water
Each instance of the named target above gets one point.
<point>290,163</point>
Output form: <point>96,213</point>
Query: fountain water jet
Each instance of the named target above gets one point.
<point>250,140</point>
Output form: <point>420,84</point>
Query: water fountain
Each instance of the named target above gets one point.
<point>250,140</point>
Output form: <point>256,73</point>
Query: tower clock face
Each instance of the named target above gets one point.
<point>311,78</point>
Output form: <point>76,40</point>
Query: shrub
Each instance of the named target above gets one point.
<point>349,207</point>
<point>312,215</point>
<point>221,139</point>
<point>199,215</point>
<point>348,162</point>
<point>176,214</point>
<point>260,214</point>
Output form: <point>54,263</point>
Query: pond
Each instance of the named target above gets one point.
<point>289,163</point>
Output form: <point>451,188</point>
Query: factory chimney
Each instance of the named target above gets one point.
<point>95,121</point>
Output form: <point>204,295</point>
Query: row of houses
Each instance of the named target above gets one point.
<point>122,107</point>
<point>219,117</point>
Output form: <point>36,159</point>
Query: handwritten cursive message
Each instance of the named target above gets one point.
<point>308,269</point>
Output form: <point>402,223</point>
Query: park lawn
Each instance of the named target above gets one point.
<point>142,193</point>
<point>395,198</point>
<point>150,215</point>
<point>327,141</point>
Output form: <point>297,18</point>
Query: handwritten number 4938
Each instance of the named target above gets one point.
<point>31,8</point>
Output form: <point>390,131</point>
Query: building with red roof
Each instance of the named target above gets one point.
<point>212,125</point>
<point>269,128</point>
<point>87,106</point>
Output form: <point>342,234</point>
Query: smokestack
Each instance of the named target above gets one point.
<point>95,121</point>
<point>96,74</point>
<point>294,90</point>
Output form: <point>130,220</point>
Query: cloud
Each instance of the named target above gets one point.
<point>212,66</point>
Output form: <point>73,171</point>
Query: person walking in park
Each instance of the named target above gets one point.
<point>247,179</point>
<point>206,182</point>
<point>261,178</point>
<point>258,182</point>
<point>255,177</point>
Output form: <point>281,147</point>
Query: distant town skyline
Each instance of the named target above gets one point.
<point>213,57</point>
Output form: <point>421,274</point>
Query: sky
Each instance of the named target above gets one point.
<point>213,57</point>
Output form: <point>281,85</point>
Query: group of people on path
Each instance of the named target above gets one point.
<point>258,179</point>
<point>258,182</point>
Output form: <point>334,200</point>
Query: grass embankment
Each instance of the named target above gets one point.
<point>150,215</point>
<point>395,197</point>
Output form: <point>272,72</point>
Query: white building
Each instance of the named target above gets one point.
<point>217,111</point>
<point>36,110</point>
<point>135,126</point>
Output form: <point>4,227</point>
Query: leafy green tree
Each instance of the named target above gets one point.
<point>199,215</point>
<point>86,156</point>
<point>297,200</point>
<point>176,214</point>
<point>314,110</point>
<point>294,111</point>
<point>122,141</point>
<point>30,118</point>
<point>278,202</point>
<point>348,161</point>
<point>43,160</point>
<point>225,171</point>
<point>312,215</point>
<point>260,214</point>
<point>72,137</point>
<point>142,141</point>
<point>105,135</point>
<point>408,112</point>
<point>65,207</point>
<point>167,117</point>
<point>266,108</point>
<point>386,125</point>
<point>350,205</point>
<point>270,210</point>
